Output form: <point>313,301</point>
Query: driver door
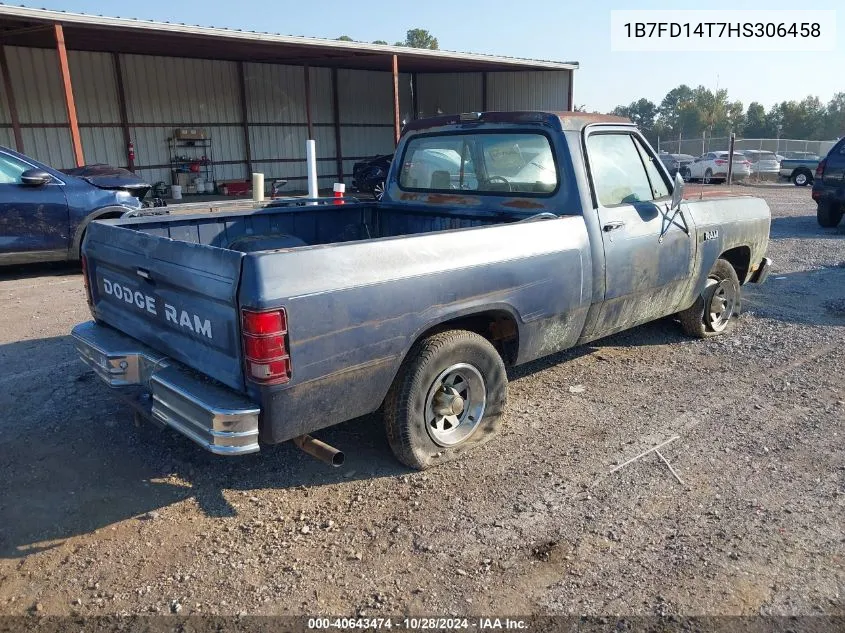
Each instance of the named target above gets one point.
<point>648,248</point>
<point>34,220</point>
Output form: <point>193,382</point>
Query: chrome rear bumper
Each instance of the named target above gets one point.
<point>215,417</point>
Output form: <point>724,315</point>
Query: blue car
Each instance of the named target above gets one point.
<point>44,212</point>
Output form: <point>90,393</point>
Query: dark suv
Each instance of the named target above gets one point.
<point>829,186</point>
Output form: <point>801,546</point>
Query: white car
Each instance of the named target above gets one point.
<point>713,167</point>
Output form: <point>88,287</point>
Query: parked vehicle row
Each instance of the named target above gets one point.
<point>798,167</point>
<point>501,238</point>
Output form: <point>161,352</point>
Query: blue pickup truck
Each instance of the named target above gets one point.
<point>44,213</point>
<point>550,230</point>
<point>799,167</point>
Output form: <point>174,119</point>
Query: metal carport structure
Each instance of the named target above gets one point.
<point>79,88</point>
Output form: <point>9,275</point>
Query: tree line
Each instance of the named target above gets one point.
<point>692,112</point>
<point>414,38</point>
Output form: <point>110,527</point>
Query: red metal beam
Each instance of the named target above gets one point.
<point>397,130</point>
<point>73,122</point>
<point>10,99</point>
<point>336,112</point>
<point>308,117</point>
<point>245,119</point>
<point>124,115</point>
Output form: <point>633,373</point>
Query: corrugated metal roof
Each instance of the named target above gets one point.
<point>254,37</point>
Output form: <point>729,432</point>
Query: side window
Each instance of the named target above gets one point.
<point>618,173</point>
<point>659,189</point>
<point>11,170</point>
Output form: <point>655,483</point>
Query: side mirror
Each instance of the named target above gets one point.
<point>35,177</point>
<point>678,191</point>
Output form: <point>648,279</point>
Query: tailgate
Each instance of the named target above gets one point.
<point>180,298</point>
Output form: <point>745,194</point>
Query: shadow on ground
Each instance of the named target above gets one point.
<point>803,226</point>
<point>74,461</point>
<point>47,269</point>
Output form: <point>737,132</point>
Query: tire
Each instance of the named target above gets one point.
<point>708,177</point>
<point>702,319</point>
<point>801,178</point>
<point>828,214</point>
<point>418,436</point>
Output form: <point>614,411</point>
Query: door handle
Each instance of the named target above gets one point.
<point>612,226</point>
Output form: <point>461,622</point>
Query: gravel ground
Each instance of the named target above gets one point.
<point>102,517</point>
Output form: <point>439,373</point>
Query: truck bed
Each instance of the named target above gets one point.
<point>172,282</point>
<point>272,227</point>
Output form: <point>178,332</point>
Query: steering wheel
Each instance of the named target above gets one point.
<point>492,179</point>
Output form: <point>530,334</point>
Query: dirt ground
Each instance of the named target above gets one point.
<point>100,517</point>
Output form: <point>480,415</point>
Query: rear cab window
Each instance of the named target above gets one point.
<point>480,162</point>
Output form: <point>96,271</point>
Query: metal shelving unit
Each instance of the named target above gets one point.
<point>187,152</point>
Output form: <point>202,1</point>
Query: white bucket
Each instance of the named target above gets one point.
<point>200,183</point>
<point>176,192</point>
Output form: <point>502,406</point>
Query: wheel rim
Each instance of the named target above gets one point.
<point>707,176</point>
<point>801,179</point>
<point>455,404</point>
<point>721,304</point>
<point>378,191</point>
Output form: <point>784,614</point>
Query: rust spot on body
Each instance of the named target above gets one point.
<point>523,203</point>
<point>695,192</point>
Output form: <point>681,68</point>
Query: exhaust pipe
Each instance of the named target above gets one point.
<point>320,450</point>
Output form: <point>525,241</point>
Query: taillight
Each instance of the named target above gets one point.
<point>85,282</point>
<point>820,168</point>
<point>265,346</point>
<point>719,161</point>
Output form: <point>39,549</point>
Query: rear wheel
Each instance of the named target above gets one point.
<point>449,397</point>
<point>708,176</point>
<point>828,214</point>
<point>801,178</point>
<point>717,308</point>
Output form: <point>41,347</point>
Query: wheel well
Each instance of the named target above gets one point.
<point>111,214</point>
<point>740,259</point>
<point>497,326</point>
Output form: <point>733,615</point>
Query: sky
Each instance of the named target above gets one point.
<point>542,29</point>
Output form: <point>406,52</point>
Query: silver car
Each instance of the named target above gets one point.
<point>762,162</point>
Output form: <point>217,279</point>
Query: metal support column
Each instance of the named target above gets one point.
<point>415,97</point>
<point>245,119</point>
<point>124,113</point>
<point>308,116</point>
<point>10,99</point>
<point>397,130</point>
<point>336,112</point>
<point>73,122</point>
